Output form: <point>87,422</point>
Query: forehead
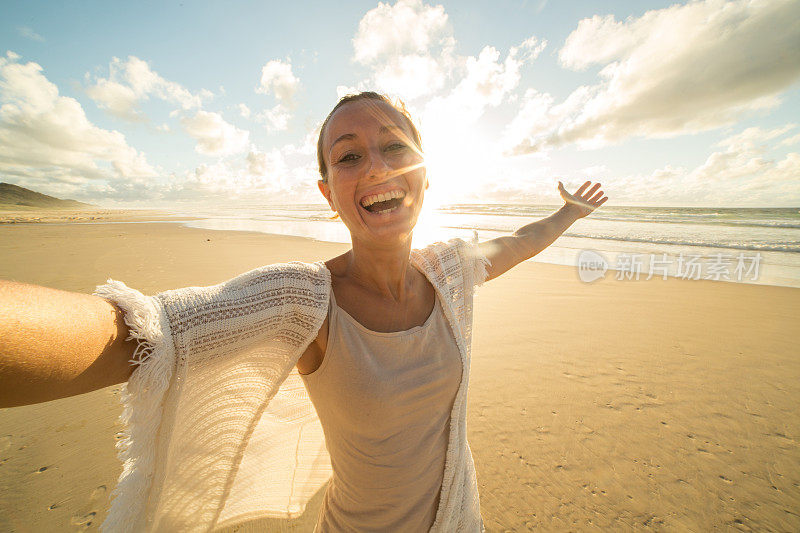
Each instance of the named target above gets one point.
<point>369,115</point>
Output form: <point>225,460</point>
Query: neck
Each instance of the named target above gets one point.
<point>385,270</point>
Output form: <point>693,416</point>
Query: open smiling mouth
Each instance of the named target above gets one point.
<point>383,204</point>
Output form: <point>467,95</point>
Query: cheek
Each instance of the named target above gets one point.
<point>342,190</point>
<point>412,158</point>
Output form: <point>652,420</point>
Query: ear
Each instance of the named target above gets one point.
<point>427,183</point>
<point>326,192</point>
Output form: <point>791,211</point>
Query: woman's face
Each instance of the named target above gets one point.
<point>376,176</point>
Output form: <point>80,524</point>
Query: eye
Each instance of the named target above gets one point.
<point>396,145</point>
<point>348,158</point>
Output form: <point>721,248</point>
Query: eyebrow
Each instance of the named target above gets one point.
<point>345,137</point>
<point>350,136</point>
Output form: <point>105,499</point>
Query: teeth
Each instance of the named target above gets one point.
<point>369,200</point>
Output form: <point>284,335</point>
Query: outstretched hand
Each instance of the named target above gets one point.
<point>583,202</point>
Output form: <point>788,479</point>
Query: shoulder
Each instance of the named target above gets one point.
<point>303,284</point>
<point>440,253</point>
<point>453,261</point>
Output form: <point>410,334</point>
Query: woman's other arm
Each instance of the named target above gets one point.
<point>506,252</point>
<point>55,344</point>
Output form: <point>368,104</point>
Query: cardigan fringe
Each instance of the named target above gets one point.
<point>141,397</point>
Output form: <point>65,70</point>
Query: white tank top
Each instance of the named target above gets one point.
<point>384,402</point>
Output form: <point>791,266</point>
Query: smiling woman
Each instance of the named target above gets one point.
<point>372,167</point>
<point>222,430</point>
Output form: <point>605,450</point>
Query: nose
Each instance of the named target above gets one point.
<point>378,166</point>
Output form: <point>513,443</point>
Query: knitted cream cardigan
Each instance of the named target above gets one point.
<point>219,428</point>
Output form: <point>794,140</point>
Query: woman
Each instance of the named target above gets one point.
<point>380,335</point>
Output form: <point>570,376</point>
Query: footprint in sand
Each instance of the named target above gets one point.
<point>84,521</point>
<point>98,494</point>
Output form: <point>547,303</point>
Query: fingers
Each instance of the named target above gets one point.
<point>582,188</point>
<point>592,198</point>
<point>591,191</point>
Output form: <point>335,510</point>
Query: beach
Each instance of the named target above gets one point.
<point>652,405</point>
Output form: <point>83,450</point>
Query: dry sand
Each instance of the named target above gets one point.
<point>637,405</point>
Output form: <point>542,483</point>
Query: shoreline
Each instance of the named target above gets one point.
<point>556,254</point>
<point>91,216</point>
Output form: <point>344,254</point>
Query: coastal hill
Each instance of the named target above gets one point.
<point>16,197</point>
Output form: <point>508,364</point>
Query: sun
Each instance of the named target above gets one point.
<point>452,174</point>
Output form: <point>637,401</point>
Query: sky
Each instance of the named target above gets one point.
<point>156,104</point>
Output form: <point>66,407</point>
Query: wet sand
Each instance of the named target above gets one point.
<point>628,405</point>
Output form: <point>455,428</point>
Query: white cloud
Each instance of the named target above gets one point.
<point>683,69</point>
<point>741,174</point>
<point>275,119</point>
<point>215,136</point>
<point>46,138</point>
<point>407,28</point>
<point>791,141</point>
<point>28,33</point>
<point>244,111</point>
<point>260,176</point>
<point>745,156</point>
<point>411,76</point>
<point>133,81</point>
<point>488,80</point>
<point>117,99</point>
<point>420,61</point>
<point>277,78</point>
<point>754,137</point>
<point>412,62</point>
<point>265,163</point>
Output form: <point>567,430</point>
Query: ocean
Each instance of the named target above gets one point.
<point>741,245</point>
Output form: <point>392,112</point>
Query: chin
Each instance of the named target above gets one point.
<point>390,227</point>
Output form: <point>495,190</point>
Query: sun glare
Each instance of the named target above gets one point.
<point>456,160</point>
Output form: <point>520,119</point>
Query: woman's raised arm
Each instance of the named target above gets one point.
<point>55,344</point>
<point>506,252</point>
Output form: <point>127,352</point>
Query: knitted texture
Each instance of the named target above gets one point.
<point>220,428</point>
